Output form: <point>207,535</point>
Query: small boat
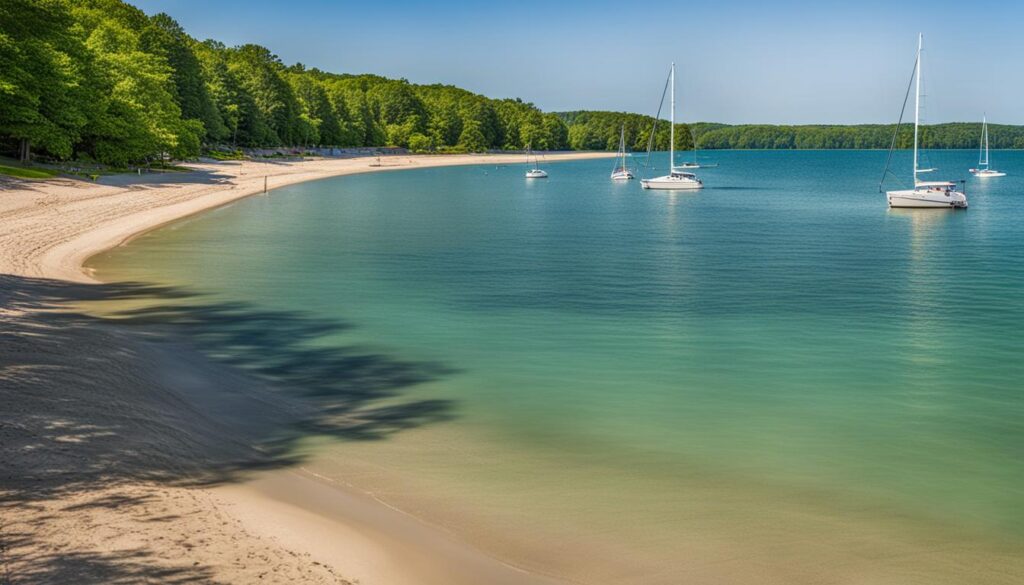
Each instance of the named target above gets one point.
<point>925,194</point>
<point>984,171</point>
<point>675,180</point>
<point>536,172</point>
<point>696,164</point>
<point>621,171</point>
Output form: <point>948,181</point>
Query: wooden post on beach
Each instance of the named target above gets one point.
<point>264,184</point>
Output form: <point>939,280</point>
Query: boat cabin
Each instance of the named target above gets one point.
<point>936,186</point>
<point>682,175</point>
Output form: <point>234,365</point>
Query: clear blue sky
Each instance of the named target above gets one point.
<point>739,60</point>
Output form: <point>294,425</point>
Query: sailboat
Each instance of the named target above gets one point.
<point>675,180</point>
<point>621,172</point>
<point>925,194</point>
<point>696,164</point>
<point>536,172</point>
<point>983,171</point>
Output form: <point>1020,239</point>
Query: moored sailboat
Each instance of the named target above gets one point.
<point>675,180</point>
<point>984,170</point>
<point>925,194</point>
<point>621,171</point>
<point>696,164</point>
<point>535,172</point>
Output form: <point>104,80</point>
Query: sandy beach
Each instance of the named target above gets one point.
<point>128,456</point>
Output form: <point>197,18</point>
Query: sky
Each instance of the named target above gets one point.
<point>738,61</point>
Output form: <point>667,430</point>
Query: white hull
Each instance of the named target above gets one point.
<point>536,174</point>
<point>927,199</point>
<point>622,176</point>
<point>985,174</point>
<point>669,183</point>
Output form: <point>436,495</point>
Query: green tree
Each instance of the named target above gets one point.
<point>316,109</point>
<point>44,69</point>
<point>139,117</point>
<point>164,36</point>
<point>274,119</point>
<point>472,138</point>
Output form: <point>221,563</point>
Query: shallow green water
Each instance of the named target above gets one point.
<point>777,358</point>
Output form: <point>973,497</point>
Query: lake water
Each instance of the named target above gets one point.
<point>773,380</point>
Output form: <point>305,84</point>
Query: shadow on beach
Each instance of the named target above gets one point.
<point>174,390</point>
<point>149,178</point>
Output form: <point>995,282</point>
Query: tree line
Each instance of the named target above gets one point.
<point>99,80</point>
<point>601,131</point>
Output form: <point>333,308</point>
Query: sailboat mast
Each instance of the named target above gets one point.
<point>622,145</point>
<point>984,129</point>
<point>917,102</point>
<point>672,123</point>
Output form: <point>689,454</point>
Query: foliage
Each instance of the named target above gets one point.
<point>42,65</point>
<point>100,80</point>
<point>600,131</point>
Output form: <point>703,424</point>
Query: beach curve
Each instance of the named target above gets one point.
<point>86,393</point>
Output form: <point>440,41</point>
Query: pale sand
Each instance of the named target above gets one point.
<point>124,451</point>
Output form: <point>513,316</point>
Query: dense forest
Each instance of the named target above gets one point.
<point>601,130</point>
<point>99,80</point>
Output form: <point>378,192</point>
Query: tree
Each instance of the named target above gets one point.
<point>472,138</point>
<point>274,118</point>
<point>316,109</point>
<point>139,117</point>
<point>420,143</point>
<point>44,98</point>
<point>226,94</point>
<point>163,36</point>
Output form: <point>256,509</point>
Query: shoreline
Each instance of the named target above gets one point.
<point>123,463</point>
<point>122,207</point>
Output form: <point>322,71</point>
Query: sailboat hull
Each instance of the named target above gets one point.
<point>927,199</point>
<point>622,176</point>
<point>672,184</point>
<point>985,174</point>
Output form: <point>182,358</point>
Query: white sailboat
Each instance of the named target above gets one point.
<point>696,164</point>
<point>536,172</point>
<point>925,194</point>
<point>675,180</point>
<point>621,171</point>
<point>984,169</point>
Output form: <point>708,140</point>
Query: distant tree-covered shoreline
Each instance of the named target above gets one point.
<point>99,80</point>
<point>594,130</point>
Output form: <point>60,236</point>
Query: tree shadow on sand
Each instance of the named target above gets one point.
<point>175,389</point>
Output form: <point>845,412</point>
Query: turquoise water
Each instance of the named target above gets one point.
<point>772,364</point>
